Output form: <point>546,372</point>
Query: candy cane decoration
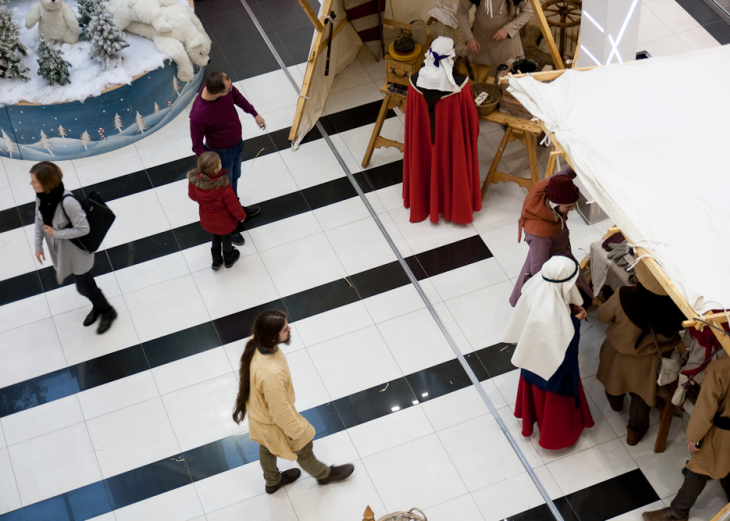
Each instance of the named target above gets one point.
<point>101,133</point>
<point>169,104</point>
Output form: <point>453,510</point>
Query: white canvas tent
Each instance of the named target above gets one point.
<point>648,140</point>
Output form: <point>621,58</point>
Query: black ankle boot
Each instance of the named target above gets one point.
<point>91,317</point>
<point>231,257</point>
<point>107,317</point>
<point>217,259</point>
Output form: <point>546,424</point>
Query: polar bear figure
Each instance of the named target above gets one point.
<point>173,27</point>
<point>56,21</point>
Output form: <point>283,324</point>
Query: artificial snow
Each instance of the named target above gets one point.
<point>87,76</point>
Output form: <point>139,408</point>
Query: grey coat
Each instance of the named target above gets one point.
<point>67,258</point>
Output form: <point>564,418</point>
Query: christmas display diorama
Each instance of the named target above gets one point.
<point>83,77</point>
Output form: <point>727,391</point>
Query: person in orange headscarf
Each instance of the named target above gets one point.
<point>543,218</point>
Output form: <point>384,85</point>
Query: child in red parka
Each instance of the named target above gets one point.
<point>220,211</point>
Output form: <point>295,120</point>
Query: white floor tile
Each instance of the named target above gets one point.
<point>360,246</point>
<point>455,330</point>
<point>264,178</point>
<point>37,421</point>
<point>9,496</point>
<point>181,504</point>
<point>698,38</point>
<point>673,15</point>
<point>635,515</point>
<point>395,303</point>
<point>179,209</point>
<point>416,341</point>
<point>390,431</point>
<point>666,46</point>
<point>201,413</point>
<point>199,257</point>
<point>331,324</point>
<point>501,206</point>
<point>416,473</point>
<point>308,386</point>
<point>117,395</point>
<point>33,349</point>
<point>456,407</point>
<point>191,370</point>
<point>95,169</point>
<point>261,508</point>
<point>53,464</point>
<point>284,231</point>
<point>462,508</point>
<point>312,164</point>
<point>6,194</point>
<point>426,235</point>
<point>230,487</point>
<point>243,286</point>
<point>507,384</point>
<point>22,312</point>
<point>170,150</point>
<point>469,278</point>
<point>373,67</point>
<point>166,308</point>
<point>152,272</point>
<point>391,196</point>
<point>139,215</point>
<point>483,329</point>
<point>268,92</point>
<point>651,27</point>
<point>348,98</point>
<point>17,255</point>
<point>591,466</point>
<point>354,362</point>
<point>83,343</point>
<point>526,445</point>
<point>132,437</point>
<point>510,254</point>
<point>303,264</point>
<point>357,141</point>
<point>67,298</point>
<point>352,76</point>
<point>341,213</point>
<point>340,501</point>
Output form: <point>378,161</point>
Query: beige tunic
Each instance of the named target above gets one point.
<point>713,459</point>
<point>272,419</point>
<point>485,25</point>
<point>622,368</point>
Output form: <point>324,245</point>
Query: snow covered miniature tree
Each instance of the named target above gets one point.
<point>11,48</point>
<point>51,65</point>
<point>175,85</point>
<point>8,144</point>
<point>61,131</point>
<point>45,143</point>
<point>139,121</point>
<point>118,123</point>
<point>157,108</point>
<point>86,7</point>
<point>106,40</point>
<point>85,140</point>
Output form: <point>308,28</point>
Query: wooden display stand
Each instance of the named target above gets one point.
<point>524,130</point>
<point>390,101</point>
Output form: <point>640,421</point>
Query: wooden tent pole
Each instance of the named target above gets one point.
<point>311,66</point>
<point>312,17</point>
<point>545,28</point>
<point>721,513</point>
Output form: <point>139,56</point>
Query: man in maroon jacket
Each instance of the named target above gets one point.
<point>214,119</point>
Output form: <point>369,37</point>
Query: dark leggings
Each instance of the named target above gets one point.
<point>224,241</point>
<point>690,490</point>
<point>86,285</point>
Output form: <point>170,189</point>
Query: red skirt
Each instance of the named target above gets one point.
<point>560,423</point>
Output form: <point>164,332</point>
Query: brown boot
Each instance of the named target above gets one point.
<point>616,402</point>
<point>288,476</point>
<point>665,514</point>
<point>634,437</point>
<point>338,474</point>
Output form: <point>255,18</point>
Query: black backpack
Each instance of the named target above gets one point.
<point>100,219</point>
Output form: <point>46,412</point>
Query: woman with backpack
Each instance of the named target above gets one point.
<point>220,210</point>
<point>59,218</point>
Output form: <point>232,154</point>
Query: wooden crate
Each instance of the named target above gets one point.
<point>400,72</point>
<point>509,105</point>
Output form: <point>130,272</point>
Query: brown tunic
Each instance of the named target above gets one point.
<point>622,368</point>
<point>713,459</point>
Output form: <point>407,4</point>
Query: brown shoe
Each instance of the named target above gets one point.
<point>634,437</point>
<point>616,402</point>
<point>288,476</point>
<point>338,474</point>
<point>665,514</point>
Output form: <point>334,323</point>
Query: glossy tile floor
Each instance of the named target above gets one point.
<point>135,424</point>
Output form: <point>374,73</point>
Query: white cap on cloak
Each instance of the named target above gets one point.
<point>437,71</point>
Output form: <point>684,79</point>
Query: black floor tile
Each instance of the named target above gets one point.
<point>385,175</point>
<point>329,193</point>
<point>121,186</point>
<point>108,368</point>
<point>375,402</point>
<point>10,220</point>
<point>83,503</point>
<point>497,358</point>
<point>231,28</point>
<point>250,59</point>
<point>148,481</point>
<point>20,287</point>
<point>357,116</point>
<point>218,62</point>
<point>207,8</point>
<point>258,146</point>
<point>14,515</point>
<point>325,420</point>
<point>284,15</point>
<point>720,31</point>
<point>48,274</point>
<point>277,209</point>
<point>27,213</point>
<point>613,497</point>
<point>36,391</point>
<point>444,378</point>
<point>454,255</point>
<point>172,171</point>
<point>143,250</point>
<point>281,137</point>
<point>281,50</point>
<point>297,42</point>
<point>379,280</point>
<point>238,325</point>
<point>700,11</point>
<point>191,235</point>
<point>222,455</point>
<point>542,513</point>
<point>181,344</point>
<point>320,299</point>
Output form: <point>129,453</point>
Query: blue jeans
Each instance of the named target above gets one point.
<point>231,160</point>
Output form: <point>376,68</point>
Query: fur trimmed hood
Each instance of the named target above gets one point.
<point>206,182</point>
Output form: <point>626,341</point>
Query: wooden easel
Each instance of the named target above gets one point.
<point>524,130</point>
<point>390,101</point>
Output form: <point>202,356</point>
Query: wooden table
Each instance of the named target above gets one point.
<point>524,130</point>
<point>390,101</point>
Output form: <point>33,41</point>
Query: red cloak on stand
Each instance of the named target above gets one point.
<point>443,177</point>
